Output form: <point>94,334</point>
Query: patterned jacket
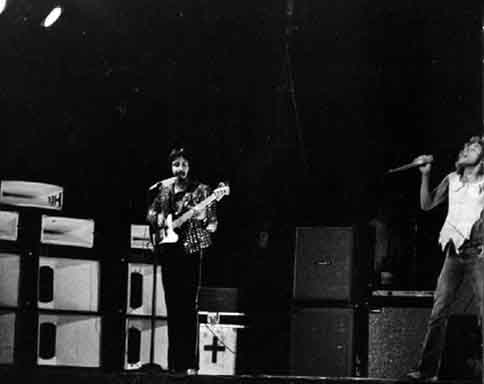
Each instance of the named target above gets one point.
<point>193,234</point>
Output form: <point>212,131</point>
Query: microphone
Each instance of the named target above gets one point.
<point>165,183</point>
<point>418,162</point>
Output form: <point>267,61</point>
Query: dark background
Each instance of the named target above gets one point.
<point>302,112</point>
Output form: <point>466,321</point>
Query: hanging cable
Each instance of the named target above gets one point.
<point>291,88</point>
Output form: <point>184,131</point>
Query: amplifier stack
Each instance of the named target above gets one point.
<point>50,278</point>
<point>327,315</point>
<point>342,325</point>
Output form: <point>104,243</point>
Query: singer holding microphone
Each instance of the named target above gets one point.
<point>462,241</point>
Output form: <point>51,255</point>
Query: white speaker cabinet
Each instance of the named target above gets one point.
<point>140,290</point>
<point>31,194</point>
<point>67,231</point>
<point>9,278</point>
<point>138,339</point>
<point>69,340</point>
<point>140,237</point>
<point>68,284</point>
<point>9,225</point>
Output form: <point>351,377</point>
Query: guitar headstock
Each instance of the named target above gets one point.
<point>223,189</point>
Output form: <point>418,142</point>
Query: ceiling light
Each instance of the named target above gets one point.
<point>3,5</point>
<point>52,17</point>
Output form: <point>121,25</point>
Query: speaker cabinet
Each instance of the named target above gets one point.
<point>138,339</point>
<point>66,231</point>
<point>323,342</point>
<point>31,194</point>
<point>324,264</point>
<point>395,337</point>
<point>69,340</point>
<point>140,290</point>
<point>140,237</point>
<point>68,284</point>
<point>264,345</point>
<point>9,222</point>
<point>7,337</point>
<point>9,278</point>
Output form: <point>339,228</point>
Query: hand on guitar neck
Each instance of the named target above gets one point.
<point>198,213</point>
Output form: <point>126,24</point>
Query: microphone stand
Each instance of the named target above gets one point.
<point>151,366</point>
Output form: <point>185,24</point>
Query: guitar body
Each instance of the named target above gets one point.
<point>166,234</point>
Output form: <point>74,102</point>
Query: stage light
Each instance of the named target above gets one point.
<point>52,17</point>
<point>3,5</point>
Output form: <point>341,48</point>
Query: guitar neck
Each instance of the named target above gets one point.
<point>188,214</point>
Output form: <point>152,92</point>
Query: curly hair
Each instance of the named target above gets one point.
<point>473,140</point>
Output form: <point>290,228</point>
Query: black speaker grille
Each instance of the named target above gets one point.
<point>134,346</point>
<point>323,268</point>
<point>322,342</point>
<point>136,298</point>
<point>46,284</point>
<point>47,340</point>
<point>395,337</point>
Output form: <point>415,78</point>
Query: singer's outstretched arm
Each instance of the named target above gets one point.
<point>430,199</point>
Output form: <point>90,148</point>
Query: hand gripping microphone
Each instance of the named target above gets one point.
<point>418,162</point>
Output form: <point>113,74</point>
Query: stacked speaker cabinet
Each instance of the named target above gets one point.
<point>323,341</point>
<point>10,260</point>
<point>146,339</point>
<point>49,280</point>
<point>328,288</point>
<point>397,325</point>
<point>139,305</point>
<point>69,320</point>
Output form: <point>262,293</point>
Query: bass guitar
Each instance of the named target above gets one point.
<point>165,232</point>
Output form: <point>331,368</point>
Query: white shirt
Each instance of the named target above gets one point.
<point>466,201</point>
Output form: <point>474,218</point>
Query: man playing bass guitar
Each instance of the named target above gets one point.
<point>181,256</point>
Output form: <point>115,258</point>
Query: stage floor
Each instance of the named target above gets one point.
<point>13,375</point>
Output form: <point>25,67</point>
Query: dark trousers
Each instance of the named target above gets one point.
<point>457,271</point>
<point>181,280</point>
